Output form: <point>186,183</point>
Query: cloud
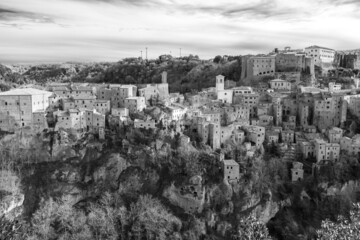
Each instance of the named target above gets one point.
<point>138,3</point>
<point>14,15</point>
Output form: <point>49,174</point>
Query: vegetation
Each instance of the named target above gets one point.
<point>345,227</point>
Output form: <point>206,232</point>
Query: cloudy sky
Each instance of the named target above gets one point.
<point>108,30</point>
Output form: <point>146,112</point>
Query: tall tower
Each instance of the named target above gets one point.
<point>220,82</point>
<point>164,77</point>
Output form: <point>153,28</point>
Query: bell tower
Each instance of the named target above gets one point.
<point>220,82</point>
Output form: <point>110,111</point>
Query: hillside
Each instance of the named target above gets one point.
<point>184,74</point>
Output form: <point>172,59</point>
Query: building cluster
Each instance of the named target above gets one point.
<point>278,111</point>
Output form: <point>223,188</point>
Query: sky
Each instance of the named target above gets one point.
<point>37,31</point>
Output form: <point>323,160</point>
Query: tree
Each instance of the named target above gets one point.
<point>344,228</point>
<point>58,220</point>
<point>150,219</point>
<point>217,59</point>
<point>250,228</point>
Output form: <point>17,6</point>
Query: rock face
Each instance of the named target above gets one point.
<point>265,211</point>
<point>10,202</point>
<point>190,197</point>
<point>110,171</point>
<point>11,196</point>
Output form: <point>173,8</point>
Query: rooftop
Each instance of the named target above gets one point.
<point>230,162</point>
<point>24,92</point>
<point>315,46</point>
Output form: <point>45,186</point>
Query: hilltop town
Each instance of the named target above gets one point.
<point>297,108</point>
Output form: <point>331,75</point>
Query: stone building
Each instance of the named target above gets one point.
<point>307,149</point>
<point>287,136</point>
<point>266,120</point>
<point>155,91</point>
<point>209,132</point>
<point>326,151</point>
<point>135,104</point>
<point>225,96</point>
<point>255,134</point>
<point>79,120</point>
<point>19,105</point>
<point>256,66</point>
<point>350,145</point>
<point>272,137</point>
<point>144,124</point>
<point>73,90</point>
<point>329,110</point>
<point>353,104</point>
<point>39,121</point>
<point>250,100</point>
<point>118,117</point>
<point>348,59</point>
<point>320,54</point>
<point>278,84</point>
<point>297,172</point>
<point>334,134</point>
<point>233,133</point>
<point>290,62</point>
<point>290,124</point>
<point>231,170</point>
<point>220,81</point>
<point>236,113</point>
<point>176,112</point>
<point>116,94</point>
<point>86,102</point>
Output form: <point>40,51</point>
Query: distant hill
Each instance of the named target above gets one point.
<point>185,74</point>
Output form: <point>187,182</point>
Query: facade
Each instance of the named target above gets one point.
<point>225,96</point>
<point>353,104</point>
<point>350,145</point>
<point>135,104</point>
<point>79,120</point>
<point>121,112</point>
<point>278,84</point>
<point>290,62</point>
<point>116,94</point>
<point>19,105</point>
<point>242,90</point>
<point>39,121</point>
<point>220,81</point>
<point>177,113</point>
<point>320,54</point>
<point>272,137</point>
<point>297,172</point>
<point>287,136</point>
<point>250,100</point>
<point>231,170</point>
<point>67,91</point>
<point>144,124</point>
<point>326,151</point>
<point>257,66</point>
<point>307,149</point>
<point>266,120</point>
<point>232,133</point>
<point>334,134</point>
<point>255,134</point>
<point>329,110</point>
